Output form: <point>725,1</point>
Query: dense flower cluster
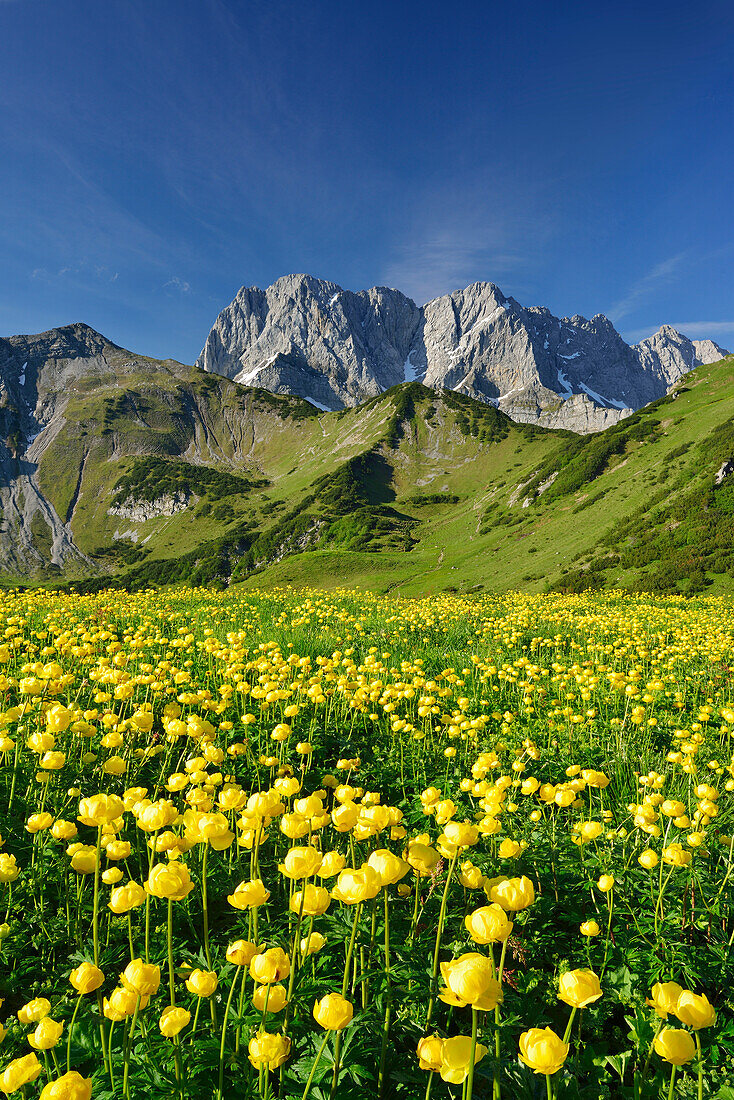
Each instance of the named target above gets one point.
<point>447,815</point>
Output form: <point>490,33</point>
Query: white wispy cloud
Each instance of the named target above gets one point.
<point>82,269</point>
<point>641,290</point>
<point>176,283</point>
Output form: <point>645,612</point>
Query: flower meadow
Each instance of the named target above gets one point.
<point>306,845</point>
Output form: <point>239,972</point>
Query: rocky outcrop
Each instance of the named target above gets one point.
<point>141,510</point>
<point>335,348</point>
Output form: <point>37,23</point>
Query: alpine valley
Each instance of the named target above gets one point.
<point>331,438</point>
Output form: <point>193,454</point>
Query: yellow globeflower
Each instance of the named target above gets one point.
<point>86,978</point>
<point>648,859</point>
<point>70,1086</point>
<point>127,897</point>
<point>356,884</point>
<point>9,869</point>
<point>169,880</point>
<point>274,996</point>
<point>100,809</point>
<point>422,858</point>
<point>470,981</point>
<point>542,1050</point>
<point>695,1010</point>
<point>429,1052</point>
<point>141,977</point>
<point>241,952</point>
<point>605,883</point>
<point>456,1058</point>
<point>36,823</point>
<point>589,928</point>
<point>514,894</point>
<point>388,866</point>
<point>664,998</point>
<point>19,1072</point>
<point>579,988</point>
<point>312,900</point>
<point>270,966</point>
<point>47,1034</point>
<point>675,1046</point>
<point>34,1010</point>
<point>249,895</point>
<point>489,924</point>
<point>202,983</point>
<point>269,1050</point>
<point>173,1019</point>
<point>312,944</point>
<point>300,863</point>
<point>333,1012</point>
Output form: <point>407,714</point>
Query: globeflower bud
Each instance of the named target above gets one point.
<point>542,1050</point>
<point>333,1012</point>
<point>589,928</point>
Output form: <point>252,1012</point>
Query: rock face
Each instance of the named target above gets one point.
<point>34,376</point>
<point>335,348</point>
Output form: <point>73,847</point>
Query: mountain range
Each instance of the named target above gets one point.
<point>116,467</point>
<point>337,348</point>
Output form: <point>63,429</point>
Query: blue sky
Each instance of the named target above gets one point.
<point>159,154</point>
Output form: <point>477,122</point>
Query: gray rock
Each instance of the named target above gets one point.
<point>335,348</point>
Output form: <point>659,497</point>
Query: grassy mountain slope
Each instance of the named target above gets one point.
<point>161,472</point>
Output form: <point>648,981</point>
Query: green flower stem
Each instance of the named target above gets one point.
<point>672,1083</point>
<point>220,1089</point>
<point>472,1055</point>
<point>128,1046</point>
<point>388,1001</point>
<point>71,1029</point>
<point>172,986</point>
<point>548,1086</point>
<point>650,1049</point>
<point>700,1066</point>
<point>439,933</point>
<point>317,1059</point>
<point>569,1025</point>
<point>345,986</point>
<point>205,906</point>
